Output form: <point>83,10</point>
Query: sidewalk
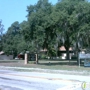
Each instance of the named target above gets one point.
<point>48,75</point>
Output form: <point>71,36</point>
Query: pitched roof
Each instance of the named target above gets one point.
<point>1,52</point>
<point>62,48</point>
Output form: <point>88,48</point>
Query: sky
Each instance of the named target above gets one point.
<point>15,10</point>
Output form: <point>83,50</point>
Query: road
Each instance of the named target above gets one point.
<point>18,80</point>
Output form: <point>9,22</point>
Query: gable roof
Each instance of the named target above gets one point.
<point>62,48</point>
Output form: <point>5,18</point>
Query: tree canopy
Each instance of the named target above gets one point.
<point>51,26</point>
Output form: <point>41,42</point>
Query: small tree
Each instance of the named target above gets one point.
<point>1,34</point>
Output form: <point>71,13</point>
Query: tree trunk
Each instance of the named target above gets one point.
<point>67,45</point>
<point>77,56</point>
<point>67,54</point>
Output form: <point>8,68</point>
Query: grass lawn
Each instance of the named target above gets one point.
<point>54,66</point>
<point>46,64</point>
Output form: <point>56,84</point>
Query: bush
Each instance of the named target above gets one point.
<point>43,56</point>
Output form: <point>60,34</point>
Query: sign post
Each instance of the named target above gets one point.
<point>26,58</point>
<point>79,62</point>
<point>36,58</point>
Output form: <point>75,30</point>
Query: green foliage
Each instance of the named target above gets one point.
<point>1,34</point>
<point>43,56</point>
<point>51,26</point>
<point>12,39</point>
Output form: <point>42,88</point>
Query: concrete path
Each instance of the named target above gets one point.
<point>70,82</point>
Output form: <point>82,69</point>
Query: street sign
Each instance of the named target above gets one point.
<point>86,58</point>
<point>88,55</point>
<point>87,62</point>
<point>82,56</point>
